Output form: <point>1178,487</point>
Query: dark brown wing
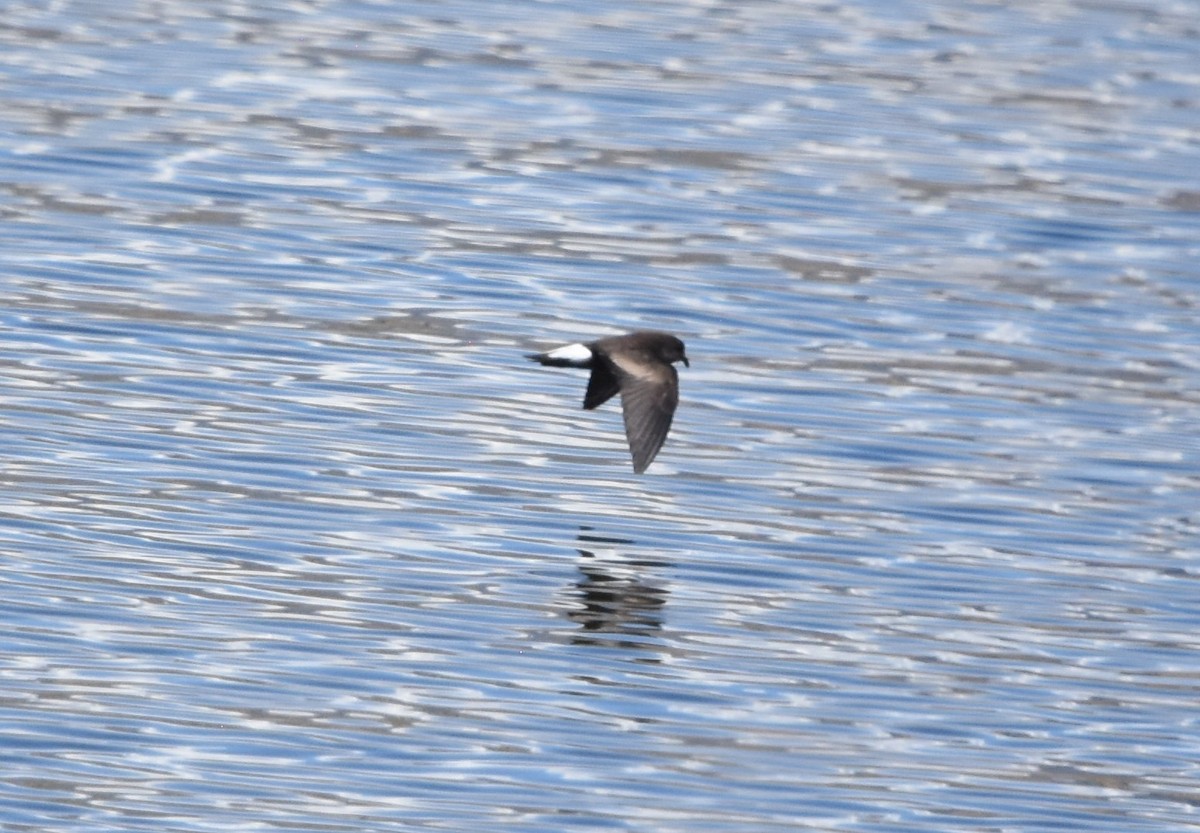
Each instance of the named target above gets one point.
<point>648,402</point>
<point>602,385</point>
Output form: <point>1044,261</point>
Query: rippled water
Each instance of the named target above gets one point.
<point>294,539</point>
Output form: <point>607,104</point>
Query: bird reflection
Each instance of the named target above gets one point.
<point>617,601</point>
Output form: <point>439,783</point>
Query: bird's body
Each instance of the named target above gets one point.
<point>639,366</point>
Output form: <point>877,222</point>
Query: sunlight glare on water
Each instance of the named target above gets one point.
<point>296,539</point>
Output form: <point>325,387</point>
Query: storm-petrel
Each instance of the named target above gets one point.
<point>638,366</point>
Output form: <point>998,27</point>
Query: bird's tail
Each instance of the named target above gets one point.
<point>572,355</point>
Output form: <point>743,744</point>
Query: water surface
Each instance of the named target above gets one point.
<point>296,540</point>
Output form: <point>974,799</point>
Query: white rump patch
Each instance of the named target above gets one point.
<point>573,353</point>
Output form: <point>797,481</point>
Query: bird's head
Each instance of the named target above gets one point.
<point>671,350</point>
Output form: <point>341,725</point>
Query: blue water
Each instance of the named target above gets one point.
<point>295,539</point>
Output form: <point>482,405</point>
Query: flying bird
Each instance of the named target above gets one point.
<point>639,367</point>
